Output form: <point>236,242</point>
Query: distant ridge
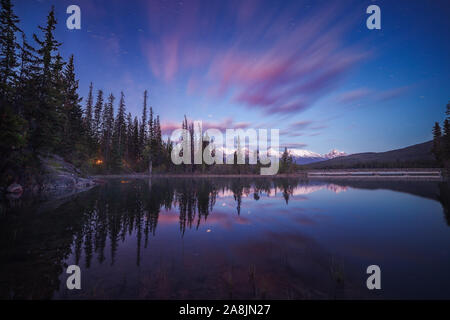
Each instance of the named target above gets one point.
<point>418,155</point>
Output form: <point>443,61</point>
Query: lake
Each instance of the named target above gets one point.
<point>230,238</point>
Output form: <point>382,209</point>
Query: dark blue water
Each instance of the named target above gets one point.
<point>230,238</point>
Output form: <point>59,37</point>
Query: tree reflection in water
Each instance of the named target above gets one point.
<point>37,239</point>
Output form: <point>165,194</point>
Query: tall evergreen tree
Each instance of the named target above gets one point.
<point>12,125</point>
<point>437,136</point>
<point>447,111</point>
<point>157,141</point>
<point>143,128</point>
<point>136,144</point>
<point>43,137</point>
<point>27,81</point>
<point>96,124</point>
<point>56,99</point>
<point>74,138</point>
<point>447,139</point>
<point>129,144</point>
<point>88,110</point>
<point>47,46</point>
<point>108,128</point>
<point>150,127</point>
<point>121,125</point>
<point>119,136</point>
<point>9,59</point>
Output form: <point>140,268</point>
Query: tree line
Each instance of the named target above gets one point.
<point>41,110</point>
<point>441,140</point>
<point>41,113</point>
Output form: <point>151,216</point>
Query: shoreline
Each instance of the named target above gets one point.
<point>364,174</point>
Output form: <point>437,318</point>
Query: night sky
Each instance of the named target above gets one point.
<point>310,68</point>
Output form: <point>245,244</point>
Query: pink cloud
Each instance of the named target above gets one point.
<point>353,95</point>
<point>266,63</point>
<point>392,93</point>
<point>168,127</point>
<point>366,94</point>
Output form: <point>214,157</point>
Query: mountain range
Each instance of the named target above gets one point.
<point>418,155</point>
<point>300,156</point>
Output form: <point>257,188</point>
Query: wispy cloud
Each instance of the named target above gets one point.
<point>354,95</point>
<point>295,145</point>
<point>277,61</point>
<point>364,95</point>
<point>228,123</point>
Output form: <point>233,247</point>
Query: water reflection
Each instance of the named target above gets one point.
<point>272,256</point>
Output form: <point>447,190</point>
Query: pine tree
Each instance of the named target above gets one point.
<point>26,93</point>
<point>96,124</point>
<point>129,144</point>
<point>157,141</point>
<point>143,128</point>
<point>120,127</point>
<point>437,136</point>
<point>447,111</point>
<point>43,135</point>
<point>47,46</point>
<point>12,125</point>
<point>150,127</point>
<point>73,140</point>
<point>136,144</point>
<point>88,111</point>
<point>284,160</point>
<point>191,136</point>
<point>56,100</point>
<point>108,127</point>
<point>447,139</point>
<point>9,59</point>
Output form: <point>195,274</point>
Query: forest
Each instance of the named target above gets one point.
<point>441,140</point>
<point>43,114</point>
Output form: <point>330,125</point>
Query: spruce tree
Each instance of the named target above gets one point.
<point>129,144</point>
<point>108,128</point>
<point>136,143</point>
<point>43,135</point>
<point>74,140</point>
<point>12,126</point>
<point>157,144</point>
<point>437,136</point>
<point>447,139</point>
<point>88,111</point>
<point>120,127</point>
<point>447,111</point>
<point>47,47</point>
<point>96,124</point>
<point>284,160</point>
<point>9,46</point>
<point>56,100</point>
<point>27,81</point>
<point>150,127</point>
<point>143,128</point>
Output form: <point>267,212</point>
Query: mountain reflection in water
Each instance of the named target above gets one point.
<point>180,238</point>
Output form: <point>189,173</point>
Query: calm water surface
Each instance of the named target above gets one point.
<point>230,238</point>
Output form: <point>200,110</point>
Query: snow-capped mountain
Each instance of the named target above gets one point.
<point>304,156</point>
<point>300,156</point>
<point>334,154</point>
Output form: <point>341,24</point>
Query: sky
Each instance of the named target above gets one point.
<point>309,68</point>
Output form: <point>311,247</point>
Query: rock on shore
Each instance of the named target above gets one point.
<point>15,188</point>
<point>61,175</point>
